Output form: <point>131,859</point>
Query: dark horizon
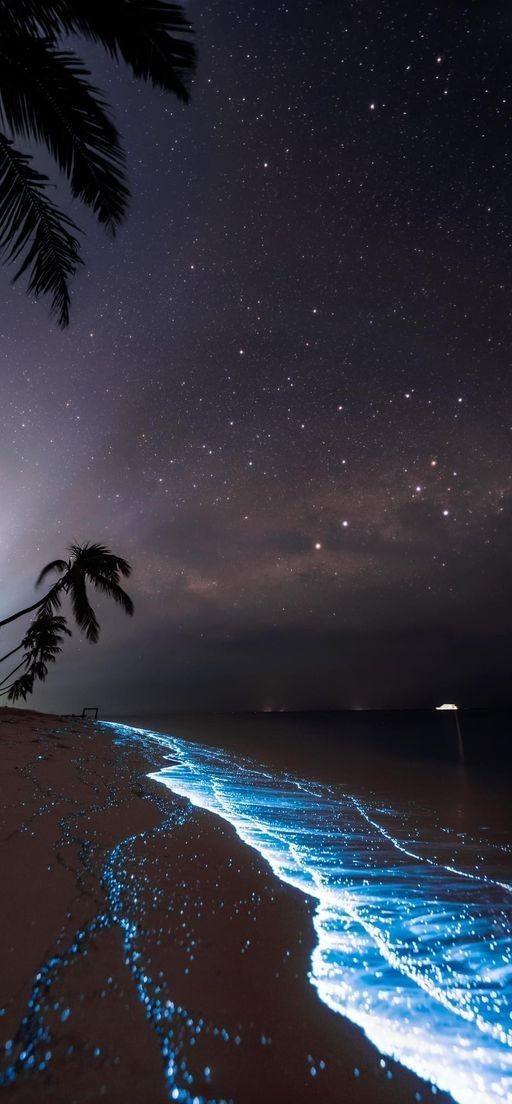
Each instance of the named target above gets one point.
<point>423,709</point>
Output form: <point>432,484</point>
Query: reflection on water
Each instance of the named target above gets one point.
<point>414,899</point>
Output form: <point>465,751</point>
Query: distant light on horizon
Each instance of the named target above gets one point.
<point>447,705</point>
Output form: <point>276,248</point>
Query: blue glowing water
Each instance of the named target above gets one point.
<point>413,923</point>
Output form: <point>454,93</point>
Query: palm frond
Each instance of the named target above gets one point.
<point>47,629</point>
<point>28,17</point>
<point>151,36</point>
<point>21,688</point>
<point>42,643</point>
<point>34,231</point>
<point>114,591</point>
<point>83,612</point>
<point>60,566</point>
<point>45,95</point>
<point>53,600</point>
<point>88,563</point>
<point>97,557</point>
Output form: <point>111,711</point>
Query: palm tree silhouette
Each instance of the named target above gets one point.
<point>46,97</point>
<point>88,563</point>
<point>42,644</point>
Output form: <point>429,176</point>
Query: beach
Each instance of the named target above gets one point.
<point>146,952</point>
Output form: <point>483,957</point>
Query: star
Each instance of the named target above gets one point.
<point>356,226</point>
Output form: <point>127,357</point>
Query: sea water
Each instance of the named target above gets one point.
<point>413,918</point>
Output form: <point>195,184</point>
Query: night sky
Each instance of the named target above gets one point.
<point>285,393</point>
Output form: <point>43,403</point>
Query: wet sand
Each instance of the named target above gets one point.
<point>138,935</point>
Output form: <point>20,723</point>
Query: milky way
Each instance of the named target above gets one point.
<point>284,394</point>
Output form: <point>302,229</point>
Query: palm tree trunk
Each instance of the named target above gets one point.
<point>22,664</point>
<point>14,650</point>
<point>14,616</point>
<point>29,609</point>
<point>6,690</point>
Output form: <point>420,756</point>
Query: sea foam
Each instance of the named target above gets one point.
<point>413,927</point>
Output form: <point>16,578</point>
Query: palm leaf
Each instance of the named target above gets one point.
<point>53,600</point>
<point>97,557</point>
<point>114,591</point>
<point>149,35</point>
<point>34,231</point>
<point>20,689</point>
<point>84,614</point>
<point>47,629</point>
<point>45,95</point>
<point>88,563</point>
<point>55,565</point>
<point>43,643</point>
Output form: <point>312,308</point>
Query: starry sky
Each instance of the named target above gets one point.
<point>285,393</point>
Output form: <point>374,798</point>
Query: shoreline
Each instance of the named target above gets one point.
<point>188,950</point>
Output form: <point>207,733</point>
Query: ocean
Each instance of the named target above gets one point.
<point>407,854</point>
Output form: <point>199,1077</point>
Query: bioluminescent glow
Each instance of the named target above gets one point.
<point>131,895</point>
<point>413,928</point>
<point>413,924</point>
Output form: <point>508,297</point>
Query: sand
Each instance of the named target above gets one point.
<point>139,935</point>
